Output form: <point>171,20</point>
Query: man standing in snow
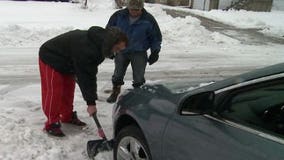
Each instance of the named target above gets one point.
<point>143,33</point>
<point>74,54</point>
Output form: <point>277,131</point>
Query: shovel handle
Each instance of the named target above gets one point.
<point>97,121</point>
<point>100,129</point>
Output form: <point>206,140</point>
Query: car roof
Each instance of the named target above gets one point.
<point>255,74</point>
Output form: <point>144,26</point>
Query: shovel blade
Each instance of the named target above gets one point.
<point>96,146</point>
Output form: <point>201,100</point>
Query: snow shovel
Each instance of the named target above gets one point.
<point>101,145</point>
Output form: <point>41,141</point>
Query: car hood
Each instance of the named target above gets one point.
<point>184,87</point>
<point>170,91</point>
<point>153,99</point>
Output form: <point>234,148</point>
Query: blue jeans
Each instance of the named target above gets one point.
<point>138,63</point>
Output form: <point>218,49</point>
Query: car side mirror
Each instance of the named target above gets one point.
<point>197,104</point>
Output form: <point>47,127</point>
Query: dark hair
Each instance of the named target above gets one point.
<point>113,36</point>
<point>117,35</point>
<point>122,37</point>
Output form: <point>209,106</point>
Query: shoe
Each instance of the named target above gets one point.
<point>75,120</point>
<point>115,92</point>
<point>54,130</point>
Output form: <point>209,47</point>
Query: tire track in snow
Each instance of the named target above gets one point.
<point>10,88</point>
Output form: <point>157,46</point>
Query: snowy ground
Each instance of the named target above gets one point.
<point>189,52</point>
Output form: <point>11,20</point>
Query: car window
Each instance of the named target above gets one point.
<point>261,107</point>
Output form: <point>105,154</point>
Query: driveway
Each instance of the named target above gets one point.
<point>245,36</point>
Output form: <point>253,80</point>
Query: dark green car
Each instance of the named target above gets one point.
<point>241,118</point>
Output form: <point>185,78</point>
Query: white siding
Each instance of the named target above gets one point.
<point>198,4</point>
<point>201,4</point>
<point>225,3</point>
<point>207,4</point>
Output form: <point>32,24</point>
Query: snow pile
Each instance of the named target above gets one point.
<point>278,5</point>
<point>100,4</point>
<point>187,29</point>
<point>15,35</point>
<point>29,24</point>
<point>269,22</point>
<point>36,22</point>
<point>40,21</point>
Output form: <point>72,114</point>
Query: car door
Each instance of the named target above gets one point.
<point>244,128</point>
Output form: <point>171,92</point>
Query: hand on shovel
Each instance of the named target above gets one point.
<point>101,145</point>
<point>92,109</point>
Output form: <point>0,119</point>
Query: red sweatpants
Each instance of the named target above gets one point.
<point>57,91</point>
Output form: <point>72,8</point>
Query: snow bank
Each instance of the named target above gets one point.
<point>36,22</point>
<point>18,35</point>
<point>185,32</point>
<point>29,24</point>
<point>278,5</point>
<point>40,21</point>
<point>270,23</point>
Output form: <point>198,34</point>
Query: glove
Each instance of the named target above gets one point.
<point>153,57</point>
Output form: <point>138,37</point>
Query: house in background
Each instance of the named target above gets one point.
<point>204,4</point>
<point>251,5</point>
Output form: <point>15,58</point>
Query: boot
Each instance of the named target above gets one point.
<point>75,120</point>
<point>54,129</point>
<point>115,92</point>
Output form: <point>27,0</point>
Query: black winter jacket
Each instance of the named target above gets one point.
<point>77,52</point>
